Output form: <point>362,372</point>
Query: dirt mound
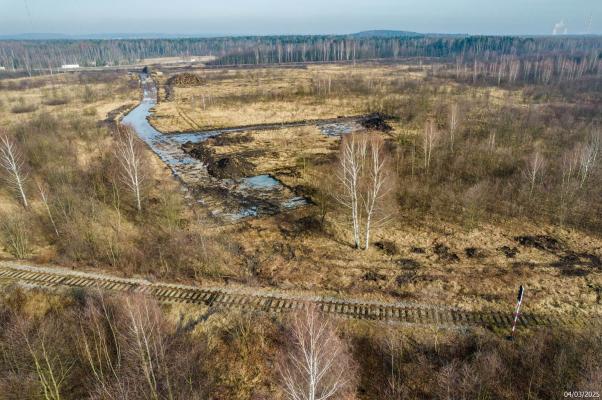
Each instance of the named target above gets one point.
<point>577,264</point>
<point>474,252</point>
<point>222,167</point>
<point>509,252</point>
<point>229,139</point>
<point>185,79</point>
<point>445,254</point>
<point>387,246</point>
<point>374,276</point>
<point>408,263</point>
<point>541,242</point>
<point>307,224</point>
<point>376,122</point>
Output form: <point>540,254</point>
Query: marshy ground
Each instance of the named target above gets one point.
<point>467,232</point>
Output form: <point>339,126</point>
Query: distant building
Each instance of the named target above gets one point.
<point>560,28</point>
<point>69,66</point>
<point>2,68</point>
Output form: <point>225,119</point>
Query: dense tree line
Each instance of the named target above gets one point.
<point>31,55</point>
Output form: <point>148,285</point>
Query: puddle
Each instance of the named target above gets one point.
<point>340,128</point>
<point>294,202</point>
<point>261,182</point>
<point>264,190</point>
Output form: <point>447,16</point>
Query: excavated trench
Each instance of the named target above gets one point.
<point>229,184</point>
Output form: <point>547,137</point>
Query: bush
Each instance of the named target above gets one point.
<point>16,234</point>
<point>56,101</point>
<point>89,96</point>
<point>23,108</point>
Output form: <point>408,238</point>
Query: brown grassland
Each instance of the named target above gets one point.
<point>464,228</point>
<point>452,232</point>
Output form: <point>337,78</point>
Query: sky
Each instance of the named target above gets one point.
<point>240,17</point>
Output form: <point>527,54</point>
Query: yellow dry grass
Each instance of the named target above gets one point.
<point>275,95</point>
<point>325,262</point>
<point>280,150</point>
<point>65,86</point>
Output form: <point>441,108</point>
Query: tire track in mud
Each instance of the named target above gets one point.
<point>186,118</point>
<point>268,126</point>
<point>282,302</point>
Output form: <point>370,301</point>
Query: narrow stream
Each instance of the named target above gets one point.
<point>247,197</point>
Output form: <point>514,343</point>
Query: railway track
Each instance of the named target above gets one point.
<point>258,300</point>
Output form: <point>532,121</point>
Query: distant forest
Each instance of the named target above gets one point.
<point>44,54</point>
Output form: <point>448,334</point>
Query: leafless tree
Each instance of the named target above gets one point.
<point>51,369</point>
<point>376,188</point>
<point>392,348</point>
<point>132,352</point>
<point>317,366</point>
<point>568,185</point>
<point>129,152</point>
<point>533,170</point>
<point>100,348</point>
<point>146,344</point>
<point>363,175</point>
<point>12,163</point>
<point>429,141</point>
<point>44,196</point>
<point>588,157</point>
<point>352,159</point>
<point>454,121</point>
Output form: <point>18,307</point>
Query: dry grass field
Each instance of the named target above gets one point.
<point>257,96</point>
<point>444,242</point>
<point>65,95</point>
<point>472,260</point>
<point>416,258</point>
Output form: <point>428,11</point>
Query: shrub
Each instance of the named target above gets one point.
<point>16,234</point>
<point>23,108</point>
<point>56,101</point>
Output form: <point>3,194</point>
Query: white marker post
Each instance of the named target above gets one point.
<point>521,291</point>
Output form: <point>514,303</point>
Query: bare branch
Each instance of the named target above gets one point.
<point>533,170</point>
<point>317,367</point>
<point>454,121</point>
<point>12,163</point>
<point>129,152</point>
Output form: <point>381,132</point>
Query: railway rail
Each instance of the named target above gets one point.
<point>258,300</point>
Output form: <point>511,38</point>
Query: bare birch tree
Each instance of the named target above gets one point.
<point>376,186</point>
<point>44,196</point>
<point>352,159</point>
<point>588,157</point>
<point>363,175</point>
<point>146,344</point>
<point>568,187</point>
<point>454,121</point>
<point>533,170</point>
<point>12,163</point>
<point>100,347</point>
<point>317,366</point>
<point>429,141</point>
<point>129,152</point>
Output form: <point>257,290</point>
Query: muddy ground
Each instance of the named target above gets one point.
<point>222,167</point>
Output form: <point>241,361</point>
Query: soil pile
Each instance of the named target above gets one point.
<point>230,139</point>
<point>444,253</point>
<point>376,122</point>
<point>185,79</point>
<point>541,242</point>
<point>222,167</point>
